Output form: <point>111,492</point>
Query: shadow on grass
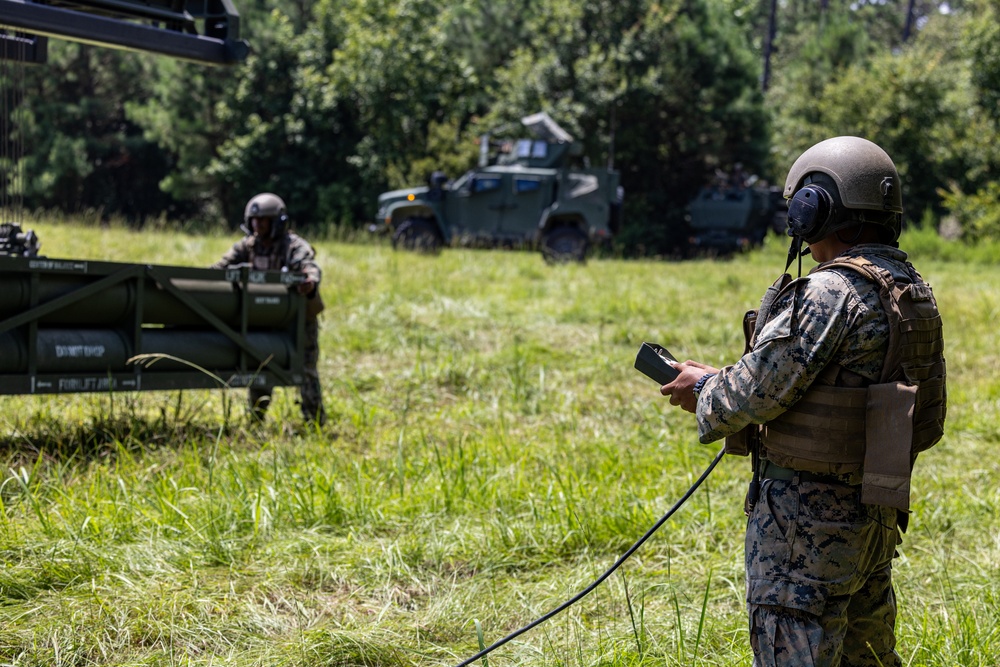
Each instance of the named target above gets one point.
<point>105,427</point>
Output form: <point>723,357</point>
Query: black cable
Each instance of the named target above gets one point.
<point>579,596</point>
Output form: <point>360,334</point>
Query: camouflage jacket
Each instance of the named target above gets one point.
<point>831,316</point>
<point>291,251</point>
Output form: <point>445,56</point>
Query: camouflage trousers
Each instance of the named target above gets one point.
<point>310,391</point>
<point>819,577</point>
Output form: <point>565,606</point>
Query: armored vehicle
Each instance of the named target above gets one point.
<point>732,218</point>
<point>528,194</point>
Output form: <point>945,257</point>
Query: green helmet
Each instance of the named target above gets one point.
<point>842,182</point>
<point>267,205</point>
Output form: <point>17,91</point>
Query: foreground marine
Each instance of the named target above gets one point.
<point>270,246</point>
<point>841,385</point>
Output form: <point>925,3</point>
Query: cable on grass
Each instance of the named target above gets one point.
<point>618,563</point>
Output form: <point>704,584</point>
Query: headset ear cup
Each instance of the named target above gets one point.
<point>809,213</point>
<point>279,226</point>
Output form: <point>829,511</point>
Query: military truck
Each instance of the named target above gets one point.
<point>527,193</point>
<point>725,219</point>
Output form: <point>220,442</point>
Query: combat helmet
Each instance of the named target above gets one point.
<point>267,205</point>
<point>841,182</point>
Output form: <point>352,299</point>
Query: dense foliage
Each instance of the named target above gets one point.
<point>343,99</point>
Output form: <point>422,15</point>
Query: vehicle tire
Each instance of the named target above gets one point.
<point>418,234</point>
<point>564,244</point>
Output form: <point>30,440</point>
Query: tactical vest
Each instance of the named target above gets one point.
<point>275,258</point>
<point>268,257</point>
<point>873,433</point>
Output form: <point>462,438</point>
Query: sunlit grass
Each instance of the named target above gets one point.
<point>491,451</point>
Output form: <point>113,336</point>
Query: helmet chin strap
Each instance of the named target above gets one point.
<point>857,234</point>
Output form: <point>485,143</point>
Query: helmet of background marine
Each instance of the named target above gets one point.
<point>267,205</point>
<point>842,182</point>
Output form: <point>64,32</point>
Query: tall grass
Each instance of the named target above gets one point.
<point>491,451</point>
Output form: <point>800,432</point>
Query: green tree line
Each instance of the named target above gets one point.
<point>343,99</point>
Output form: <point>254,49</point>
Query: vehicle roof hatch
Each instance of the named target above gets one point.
<point>543,127</point>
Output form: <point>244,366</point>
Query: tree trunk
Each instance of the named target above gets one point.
<point>908,25</point>
<point>772,32</point>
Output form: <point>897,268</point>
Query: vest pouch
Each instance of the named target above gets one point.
<point>889,437</point>
<point>314,304</point>
<point>749,326</point>
<point>743,441</point>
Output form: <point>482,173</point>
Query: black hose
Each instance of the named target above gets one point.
<point>579,596</point>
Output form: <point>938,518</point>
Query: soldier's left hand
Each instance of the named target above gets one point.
<point>681,390</point>
<point>307,287</point>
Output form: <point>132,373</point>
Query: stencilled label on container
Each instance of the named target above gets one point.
<point>254,380</point>
<point>69,385</point>
<point>78,351</point>
<point>57,265</point>
<point>86,384</point>
<point>267,300</point>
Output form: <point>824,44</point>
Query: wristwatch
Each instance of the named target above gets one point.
<point>700,384</point>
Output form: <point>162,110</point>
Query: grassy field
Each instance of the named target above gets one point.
<point>490,452</point>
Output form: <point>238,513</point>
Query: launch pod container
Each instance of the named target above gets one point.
<point>72,326</point>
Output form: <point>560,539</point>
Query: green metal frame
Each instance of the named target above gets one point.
<point>256,367</point>
<point>203,31</point>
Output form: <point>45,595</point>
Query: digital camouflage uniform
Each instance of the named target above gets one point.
<point>818,560</point>
<point>295,253</point>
